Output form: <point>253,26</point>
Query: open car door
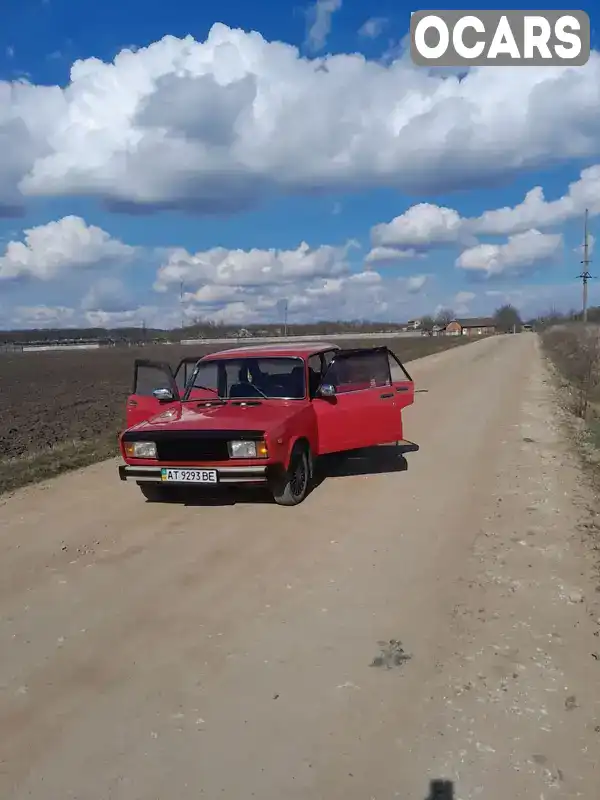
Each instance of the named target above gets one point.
<point>363,411</point>
<point>151,379</point>
<point>403,384</point>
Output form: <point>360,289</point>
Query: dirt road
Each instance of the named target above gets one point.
<point>176,652</point>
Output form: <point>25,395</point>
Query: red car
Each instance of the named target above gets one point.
<point>260,415</point>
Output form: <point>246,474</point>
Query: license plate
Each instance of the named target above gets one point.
<point>189,475</point>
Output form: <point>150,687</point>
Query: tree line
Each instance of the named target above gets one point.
<point>506,318</point>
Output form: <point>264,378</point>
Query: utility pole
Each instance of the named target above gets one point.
<point>285,316</point>
<point>181,304</point>
<point>585,275</point>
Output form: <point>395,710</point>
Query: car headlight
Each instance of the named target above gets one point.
<point>140,449</point>
<point>247,450</point>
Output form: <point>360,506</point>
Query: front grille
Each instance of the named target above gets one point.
<point>192,445</point>
<point>183,450</point>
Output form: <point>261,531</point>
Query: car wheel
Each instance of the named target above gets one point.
<point>154,492</point>
<point>294,485</point>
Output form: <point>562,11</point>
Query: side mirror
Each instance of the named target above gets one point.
<point>326,390</point>
<point>164,395</point>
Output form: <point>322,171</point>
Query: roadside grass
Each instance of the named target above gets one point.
<point>574,351</point>
<point>38,466</point>
<point>77,416</point>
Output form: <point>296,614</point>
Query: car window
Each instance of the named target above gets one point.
<point>251,378</point>
<point>359,371</point>
<point>184,373</point>
<point>315,369</point>
<point>327,357</point>
<point>396,369</point>
<point>150,377</point>
<point>207,376</point>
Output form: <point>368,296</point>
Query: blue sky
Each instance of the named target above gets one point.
<point>211,161</point>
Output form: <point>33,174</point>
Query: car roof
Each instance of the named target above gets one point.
<point>290,349</point>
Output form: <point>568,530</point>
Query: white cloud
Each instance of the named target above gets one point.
<point>373,27</point>
<point>46,316</point>
<point>461,303</point>
<point>460,298</point>
<point>244,269</point>
<point>150,316</point>
<point>320,15</point>
<point>321,282</point>
<point>337,294</point>
<point>591,244</point>
<point>415,283</point>
<point>69,243</point>
<point>222,124</point>
<point>389,255</point>
<point>423,226</point>
<point>536,211</point>
<point>43,316</point>
<point>108,294</point>
<point>249,286</point>
<point>429,226</point>
<point>519,255</point>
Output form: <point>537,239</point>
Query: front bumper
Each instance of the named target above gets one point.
<point>232,475</point>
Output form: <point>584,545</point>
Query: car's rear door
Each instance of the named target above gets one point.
<point>147,377</point>
<point>363,411</point>
<point>402,382</point>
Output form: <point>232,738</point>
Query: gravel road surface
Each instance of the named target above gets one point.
<point>402,626</point>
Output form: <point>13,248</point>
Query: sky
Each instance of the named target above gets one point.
<point>205,161</point>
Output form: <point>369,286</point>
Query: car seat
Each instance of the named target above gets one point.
<point>243,388</point>
<point>296,382</point>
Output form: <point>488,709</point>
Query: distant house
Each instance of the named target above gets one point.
<point>482,326</point>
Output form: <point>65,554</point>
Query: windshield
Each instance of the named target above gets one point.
<point>249,378</point>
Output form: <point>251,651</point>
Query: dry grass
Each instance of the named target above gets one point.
<point>63,410</point>
<point>575,350</point>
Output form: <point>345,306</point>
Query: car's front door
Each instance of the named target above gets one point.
<point>148,376</point>
<point>363,410</point>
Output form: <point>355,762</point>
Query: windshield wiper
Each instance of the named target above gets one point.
<point>206,388</point>
<point>189,399</point>
<point>255,387</point>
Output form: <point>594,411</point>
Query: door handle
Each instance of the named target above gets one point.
<point>132,403</point>
<point>387,396</point>
<point>402,388</point>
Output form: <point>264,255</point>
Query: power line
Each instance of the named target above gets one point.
<point>585,274</point>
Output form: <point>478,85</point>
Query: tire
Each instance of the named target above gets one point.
<point>154,492</point>
<point>293,486</point>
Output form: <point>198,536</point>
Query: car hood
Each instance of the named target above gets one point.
<point>198,416</point>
